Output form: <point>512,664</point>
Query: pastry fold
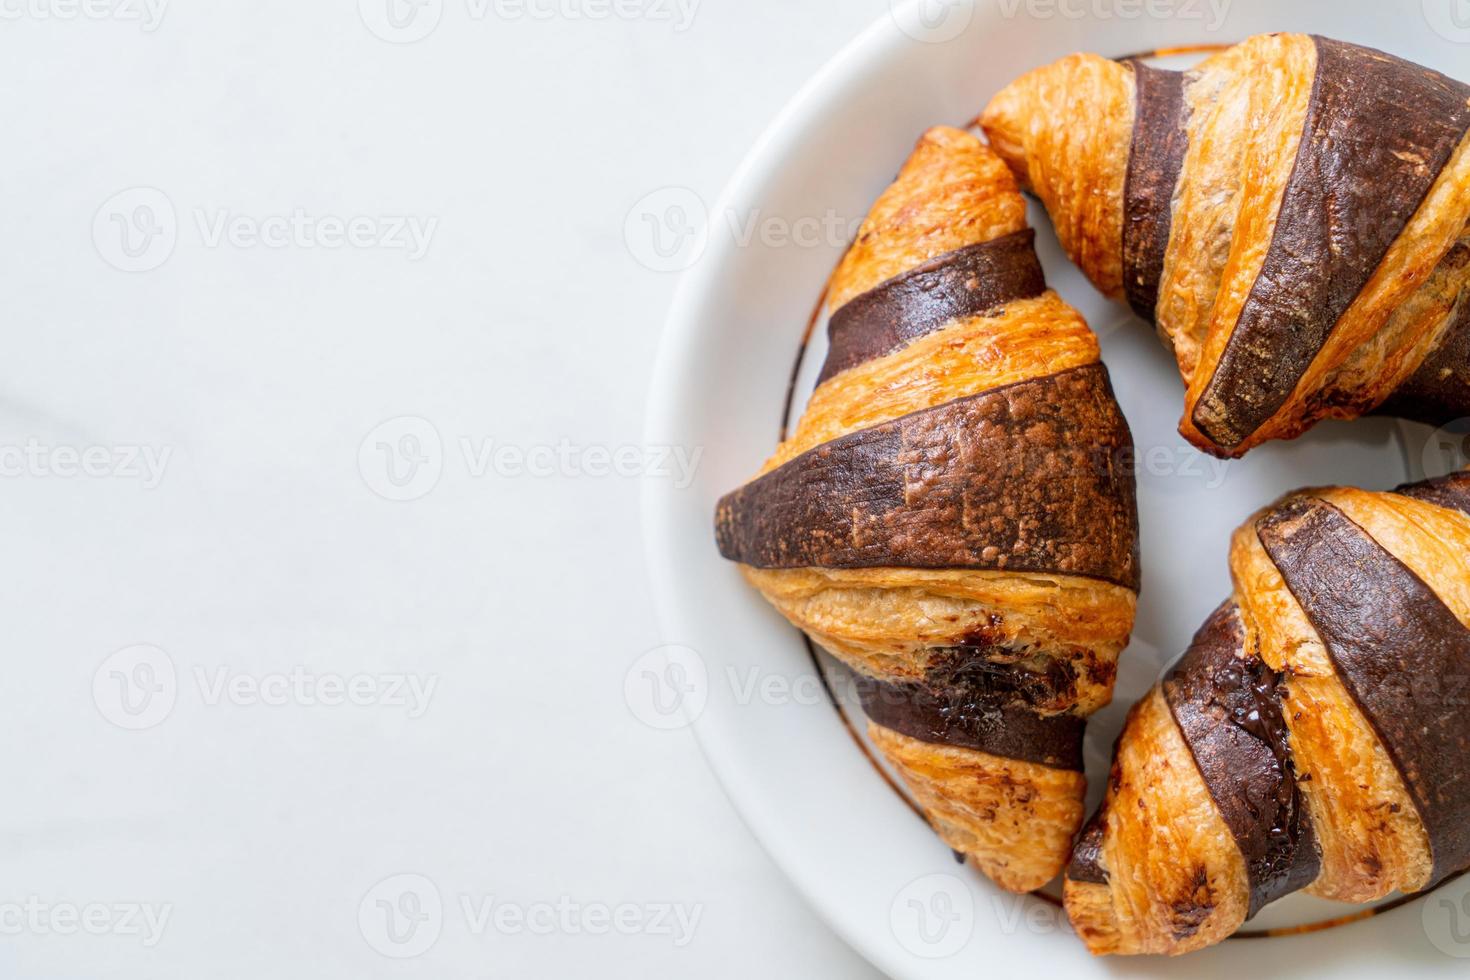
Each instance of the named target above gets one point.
<point>954,514</point>
<point>1315,736</point>
<point>1293,213</point>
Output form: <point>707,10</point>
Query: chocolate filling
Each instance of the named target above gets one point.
<point>1379,131</point>
<point>1025,477</point>
<point>973,281</point>
<point>1160,139</point>
<point>1086,864</point>
<point>1452,492</point>
<point>1401,653</point>
<point>971,702</point>
<point>1228,707</point>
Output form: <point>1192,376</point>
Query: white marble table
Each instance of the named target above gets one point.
<point>279,677</point>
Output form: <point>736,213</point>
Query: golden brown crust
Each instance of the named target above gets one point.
<point>1176,879</point>
<point>1224,272</point>
<point>1014,820</point>
<point>948,195</point>
<point>1159,830</point>
<point>1077,171</point>
<point>910,627</point>
<point>1031,338</point>
<point>1372,841</point>
<point>888,622</point>
<point>1207,201</point>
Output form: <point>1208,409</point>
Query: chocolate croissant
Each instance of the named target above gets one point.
<point>1315,736</point>
<point>954,516</point>
<point>1294,214</point>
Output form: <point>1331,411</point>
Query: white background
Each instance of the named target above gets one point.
<point>261,550</point>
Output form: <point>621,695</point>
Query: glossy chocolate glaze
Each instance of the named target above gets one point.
<point>973,281</point>
<point>1379,131</point>
<point>1155,161</point>
<point>1025,477</point>
<point>1402,654</point>
<point>1229,708</point>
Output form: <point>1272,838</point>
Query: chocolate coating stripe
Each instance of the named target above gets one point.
<point>983,720</point>
<point>1086,863</point>
<point>1155,161</point>
<point>1027,477</point>
<point>1439,389</point>
<point>1379,132</point>
<point>1451,492</point>
<point>972,281</point>
<point>1400,652</point>
<point>1228,707</point>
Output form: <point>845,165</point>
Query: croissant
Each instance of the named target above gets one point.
<point>1315,735</point>
<point>953,515</point>
<point>1294,214</point>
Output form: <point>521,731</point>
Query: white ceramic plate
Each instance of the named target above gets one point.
<point>743,677</point>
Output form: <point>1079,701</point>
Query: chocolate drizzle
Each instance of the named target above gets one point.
<point>1229,709</point>
<point>1026,477</point>
<point>973,281</point>
<point>1402,654</point>
<point>1155,161</point>
<point>1378,133</point>
<point>969,701</point>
